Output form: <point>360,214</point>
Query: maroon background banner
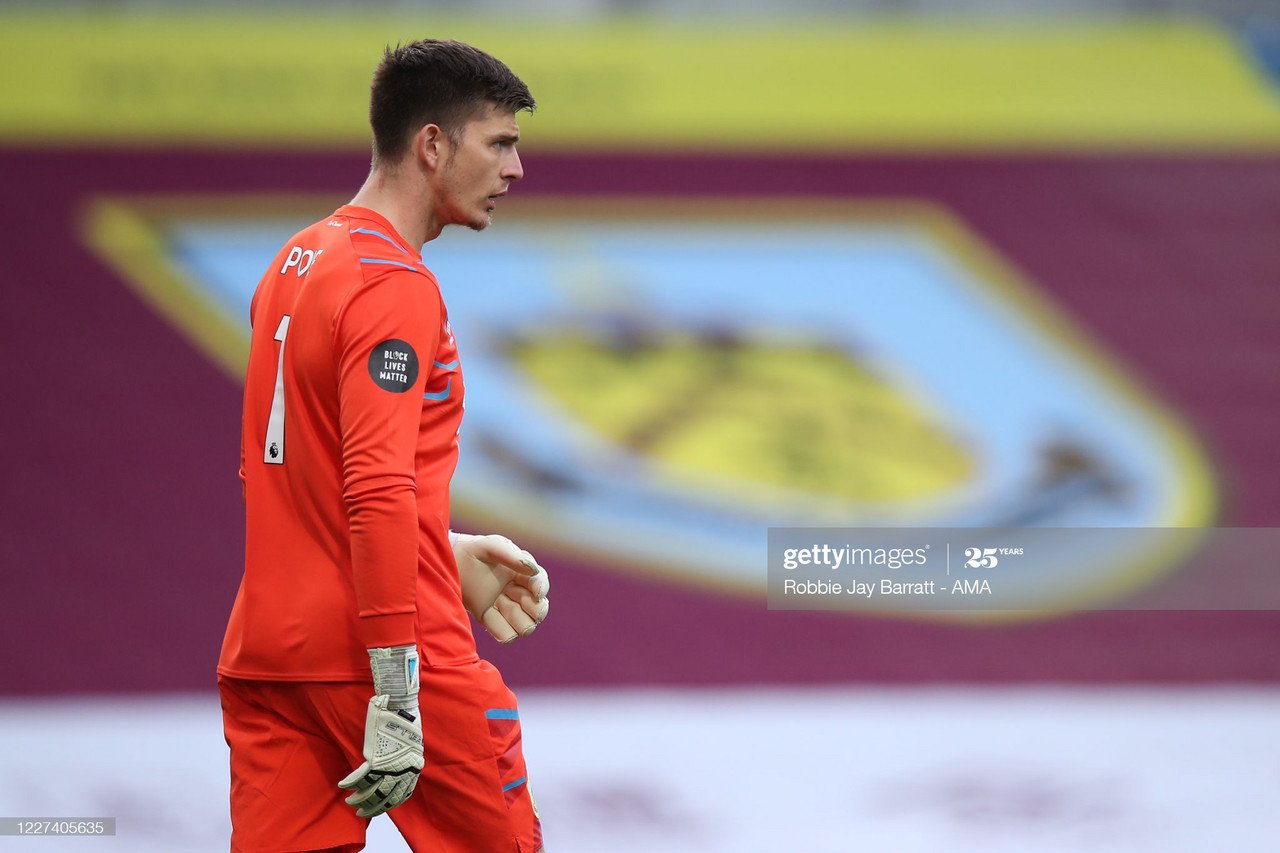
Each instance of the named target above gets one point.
<point>122,519</point>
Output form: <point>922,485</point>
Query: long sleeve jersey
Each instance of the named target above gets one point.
<point>352,405</point>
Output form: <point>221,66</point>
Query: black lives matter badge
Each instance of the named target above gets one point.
<point>393,366</point>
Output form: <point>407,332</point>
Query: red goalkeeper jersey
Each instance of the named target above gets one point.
<point>352,404</point>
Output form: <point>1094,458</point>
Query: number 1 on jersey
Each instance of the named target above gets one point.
<point>273,447</point>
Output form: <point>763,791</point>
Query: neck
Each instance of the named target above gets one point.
<point>393,194</point>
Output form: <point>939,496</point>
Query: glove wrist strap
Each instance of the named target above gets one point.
<point>395,675</point>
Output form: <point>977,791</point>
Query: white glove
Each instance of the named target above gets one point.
<point>503,587</point>
<point>392,735</point>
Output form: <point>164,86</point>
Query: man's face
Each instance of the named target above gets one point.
<point>477,169</point>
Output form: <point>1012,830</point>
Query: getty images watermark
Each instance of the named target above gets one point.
<point>1023,569</point>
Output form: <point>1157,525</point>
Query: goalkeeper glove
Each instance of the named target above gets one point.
<point>392,735</point>
<point>503,587</point>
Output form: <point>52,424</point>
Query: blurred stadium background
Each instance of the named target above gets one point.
<point>932,263</point>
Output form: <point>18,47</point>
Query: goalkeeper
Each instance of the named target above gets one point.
<point>349,678</point>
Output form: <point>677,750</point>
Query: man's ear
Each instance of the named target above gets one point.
<point>431,146</point>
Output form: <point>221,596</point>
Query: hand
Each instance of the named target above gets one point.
<point>393,759</point>
<point>392,735</point>
<point>503,587</point>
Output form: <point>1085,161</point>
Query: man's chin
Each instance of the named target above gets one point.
<point>479,220</point>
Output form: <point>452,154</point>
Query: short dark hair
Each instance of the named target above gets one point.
<point>439,82</point>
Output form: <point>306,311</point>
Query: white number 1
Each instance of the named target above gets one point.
<point>273,450</point>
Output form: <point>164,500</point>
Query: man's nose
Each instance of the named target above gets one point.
<point>512,169</point>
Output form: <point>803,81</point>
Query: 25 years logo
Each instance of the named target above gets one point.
<point>988,558</point>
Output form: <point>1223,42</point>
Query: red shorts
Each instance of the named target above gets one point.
<point>291,743</point>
